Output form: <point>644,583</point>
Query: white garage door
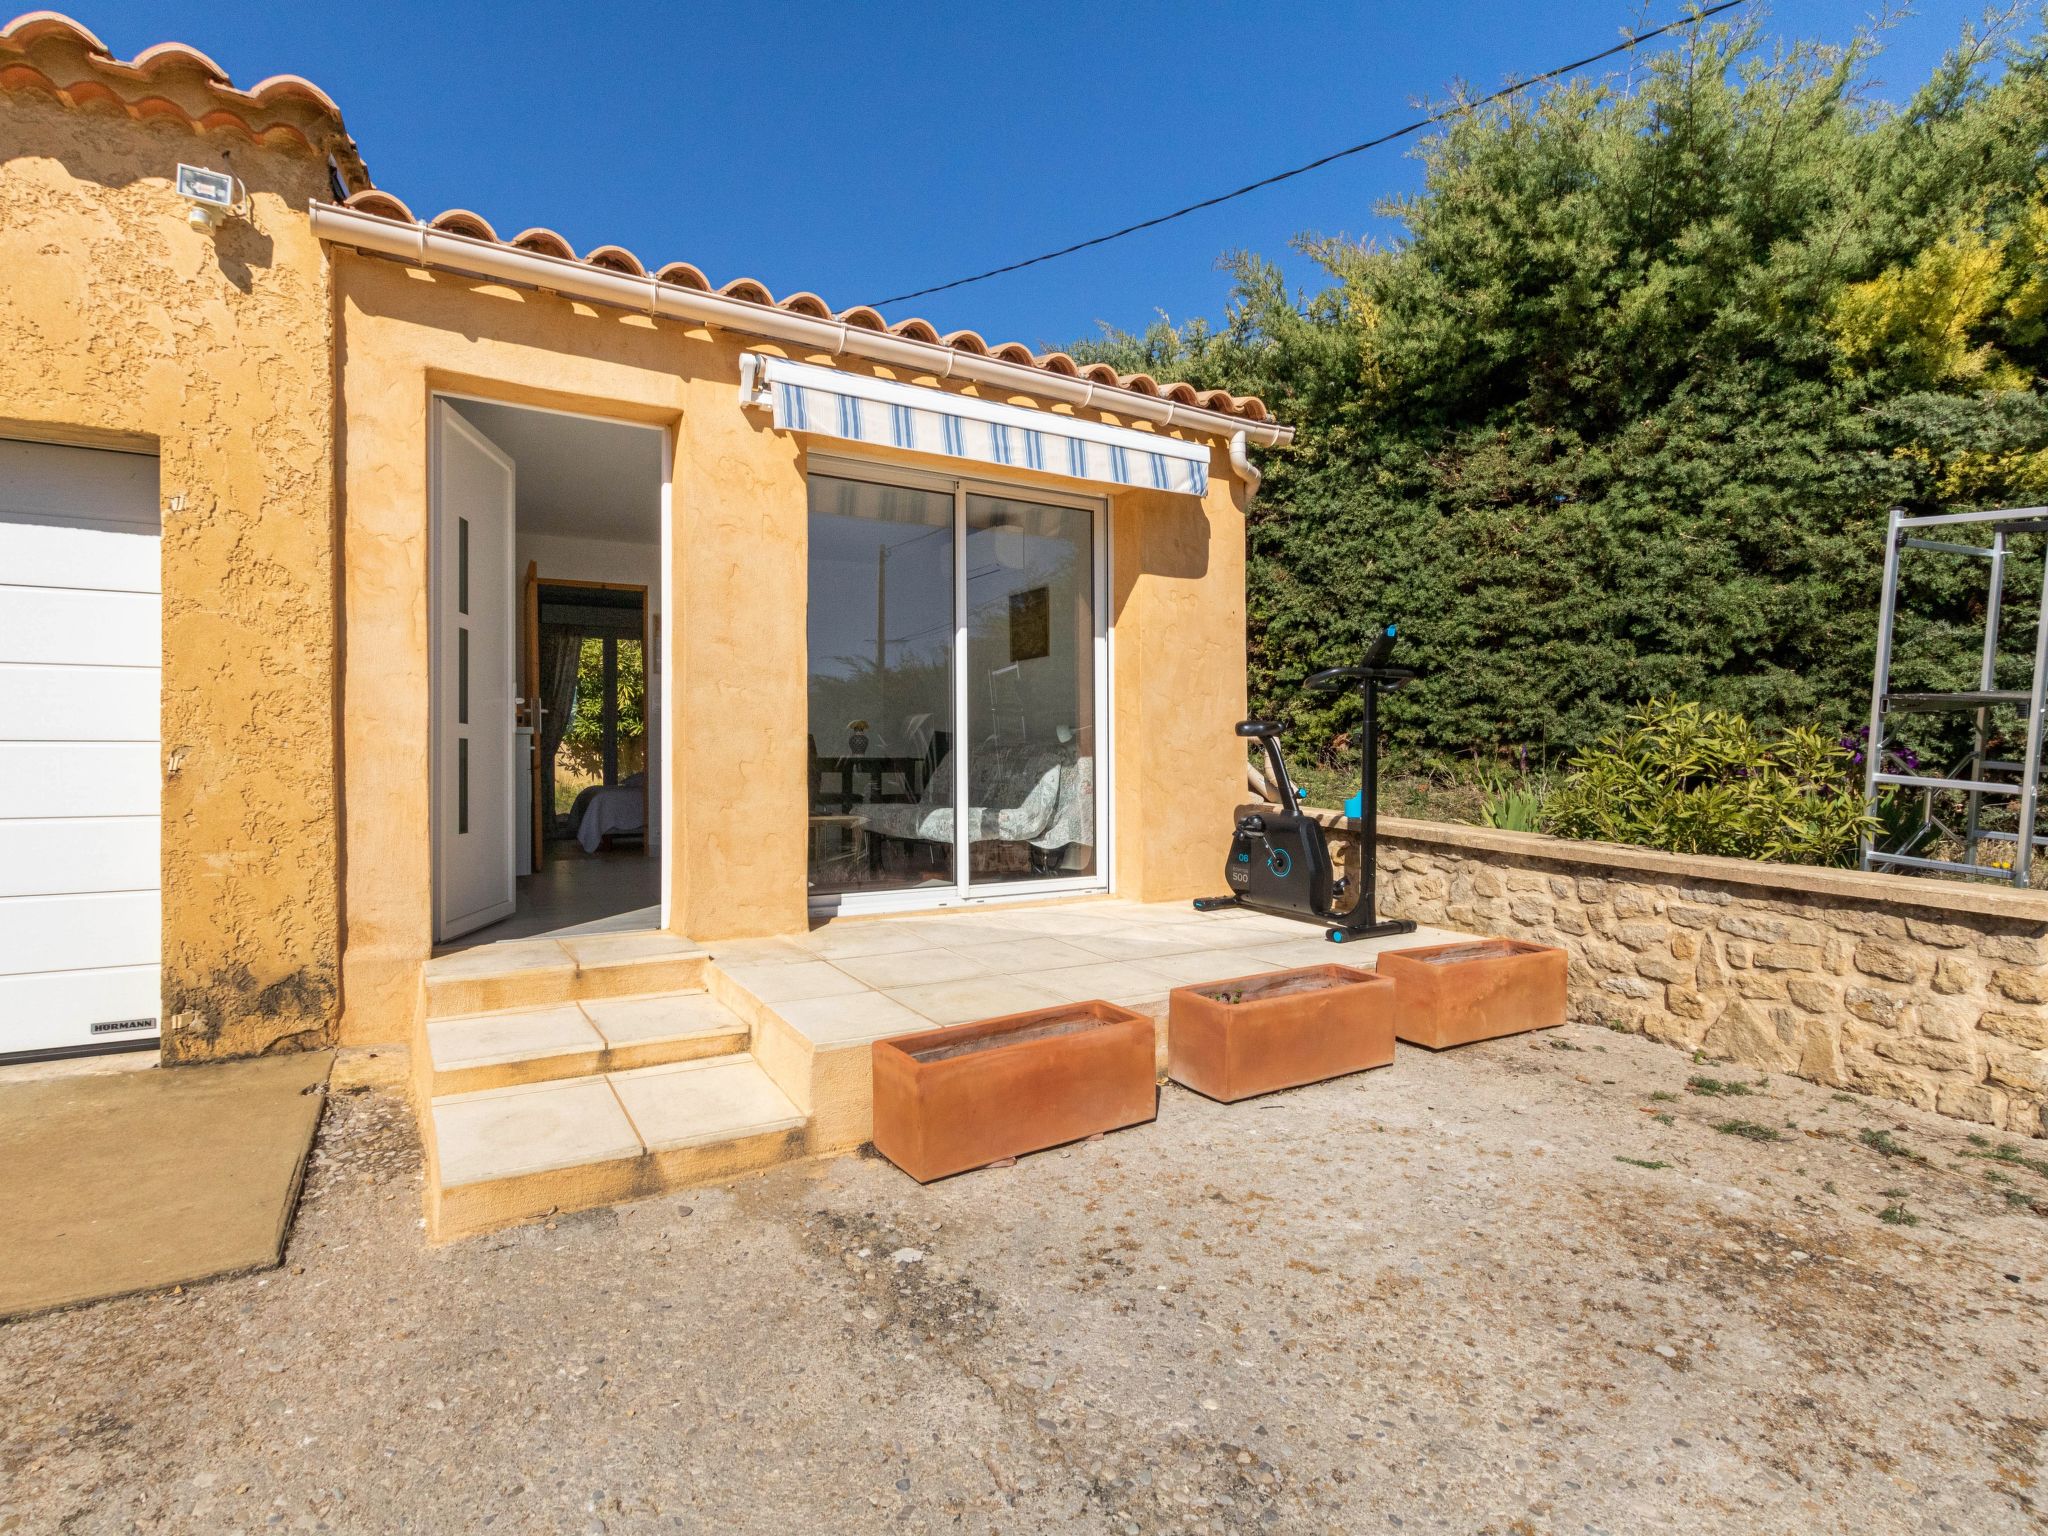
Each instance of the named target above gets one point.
<point>81,650</point>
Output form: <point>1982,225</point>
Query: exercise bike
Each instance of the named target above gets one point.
<point>1280,861</point>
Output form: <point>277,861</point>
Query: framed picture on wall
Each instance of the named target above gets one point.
<point>1030,624</point>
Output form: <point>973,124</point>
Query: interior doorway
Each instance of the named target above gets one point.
<point>587,642</point>
<point>548,705</point>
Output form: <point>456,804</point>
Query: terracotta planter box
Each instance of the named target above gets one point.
<point>1231,1040</point>
<point>1453,994</point>
<point>953,1099</point>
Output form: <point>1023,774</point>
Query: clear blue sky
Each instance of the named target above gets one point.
<point>862,150</point>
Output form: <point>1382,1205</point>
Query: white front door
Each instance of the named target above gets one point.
<point>474,802</point>
<point>81,654</point>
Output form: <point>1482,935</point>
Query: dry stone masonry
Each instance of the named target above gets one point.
<point>1931,992</point>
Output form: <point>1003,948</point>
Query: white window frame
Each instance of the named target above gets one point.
<point>961,891</point>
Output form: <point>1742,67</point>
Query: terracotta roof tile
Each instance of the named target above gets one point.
<point>684,275</point>
<point>615,258</point>
<point>48,52</point>
<point>681,273</point>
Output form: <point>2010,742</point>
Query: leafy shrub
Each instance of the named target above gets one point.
<point>1514,810</point>
<point>1620,409</point>
<point>1691,779</point>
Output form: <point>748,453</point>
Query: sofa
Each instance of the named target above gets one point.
<point>1034,801</point>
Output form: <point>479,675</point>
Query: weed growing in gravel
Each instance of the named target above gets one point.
<point>1749,1130</point>
<point>2016,1199</point>
<point>1561,1045</point>
<point>1896,1215</point>
<point>1641,1162</point>
<point>1879,1140</point>
<point>1845,1098</point>
<point>1717,1088</point>
<point>1661,1097</point>
<point>2007,1153</point>
<point>1663,1119</point>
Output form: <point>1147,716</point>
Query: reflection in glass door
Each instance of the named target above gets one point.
<point>932,603</point>
<point>881,687</point>
<point>1030,686</point>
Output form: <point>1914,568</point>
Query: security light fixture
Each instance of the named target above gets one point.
<point>213,195</point>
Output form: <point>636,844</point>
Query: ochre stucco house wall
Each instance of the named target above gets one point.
<point>124,327</point>
<point>286,375</point>
<point>739,505</point>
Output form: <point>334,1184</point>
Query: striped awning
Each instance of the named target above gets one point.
<point>892,415</point>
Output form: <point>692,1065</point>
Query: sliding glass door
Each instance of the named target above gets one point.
<point>1030,676</point>
<point>957,660</point>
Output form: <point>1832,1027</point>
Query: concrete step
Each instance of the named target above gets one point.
<point>468,1053</point>
<point>535,973</point>
<point>507,1155</point>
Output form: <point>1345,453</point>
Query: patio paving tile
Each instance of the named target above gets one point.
<point>1224,935</point>
<point>1314,951</point>
<point>1133,944</point>
<point>489,1038</point>
<point>618,948</point>
<point>976,997</point>
<point>910,968</point>
<point>793,983</point>
<point>663,1016</point>
<point>1116,981</point>
<point>490,960</point>
<point>743,952</point>
<point>851,1020</point>
<point>695,1103</point>
<point>835,940</point>
<point>1009,956</point>
<point>1223,965</point>
<point>504,1132</point>
<point>1063,922</point>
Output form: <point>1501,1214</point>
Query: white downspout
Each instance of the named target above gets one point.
<point>1247,471</point>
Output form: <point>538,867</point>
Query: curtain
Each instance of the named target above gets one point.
<point>560,652</point>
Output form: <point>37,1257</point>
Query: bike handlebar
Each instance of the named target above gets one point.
<point>1374,665</point>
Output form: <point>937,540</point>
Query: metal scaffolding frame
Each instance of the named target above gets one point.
<point>1973,774</point>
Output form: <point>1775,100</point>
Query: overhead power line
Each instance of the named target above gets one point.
<point>1692,19</point>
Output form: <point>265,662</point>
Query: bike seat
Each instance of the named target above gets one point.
<point>1261,729</point>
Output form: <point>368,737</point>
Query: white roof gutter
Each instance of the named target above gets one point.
<point>430,247</point>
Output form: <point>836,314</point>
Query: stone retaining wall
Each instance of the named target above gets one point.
<point>1923,990</point>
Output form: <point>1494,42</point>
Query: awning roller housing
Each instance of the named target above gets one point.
<point>806,398</point>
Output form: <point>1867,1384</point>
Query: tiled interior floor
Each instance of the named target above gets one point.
<point>853,980</point>
<point>577,894</point>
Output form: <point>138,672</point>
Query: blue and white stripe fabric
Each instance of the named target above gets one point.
<point>909,416</point>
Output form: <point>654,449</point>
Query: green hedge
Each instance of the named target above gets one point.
<point>1622,415</point>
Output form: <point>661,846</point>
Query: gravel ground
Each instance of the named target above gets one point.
<point>1524,1288</point>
